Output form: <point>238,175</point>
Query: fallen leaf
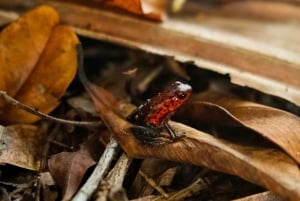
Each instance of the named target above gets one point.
<point>264,10</point>
<point>38,63</point>
<point>219,109</point>
<point>68,169</point>
<point>266,167</point>
<point>22,146</point>
<point>151,9</point>
<point>264,196</point>
<point>221,45</point>
<point>21,42</point>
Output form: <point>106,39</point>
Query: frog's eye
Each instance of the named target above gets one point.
<point>182,95</point>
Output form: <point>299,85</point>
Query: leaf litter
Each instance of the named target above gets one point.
<point>271,167</point>
<point>276,125</point>
<point>217,154</point>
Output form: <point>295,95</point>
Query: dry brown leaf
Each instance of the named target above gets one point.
<point>21,42</point>
<point>264,196</point>
<point>263,166</point>
<point>221,45</point>
<point>21,145</point>
<point>266,10</point>
<point>68,169</point>
<point>151,9</point>
<point>278,126</point>
<point>38,63</point>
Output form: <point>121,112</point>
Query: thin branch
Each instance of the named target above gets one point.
<point>31,110</point>
<point>111,188</point>
<point>152,183</point>
<point>184,193</point>
<point>100,170</point>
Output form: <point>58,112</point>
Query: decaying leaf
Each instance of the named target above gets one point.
<point>278,126</point>
<point>152,9</point>
<point>37,63</point>
<point>21,145</point>
<point>68,169</point>
<point>267,167</point>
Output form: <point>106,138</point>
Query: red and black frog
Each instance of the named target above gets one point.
<point>150,117</point>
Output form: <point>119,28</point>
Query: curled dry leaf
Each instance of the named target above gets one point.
<point>263,166</point>
<point>68,169</point>
<point>151,9</point>
<point>21,145</point>
<point>37,63</point>
<point>278,126</point>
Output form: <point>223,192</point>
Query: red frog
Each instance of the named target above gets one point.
<point>155,113</point>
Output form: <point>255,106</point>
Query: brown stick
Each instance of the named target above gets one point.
<point>31,110</point>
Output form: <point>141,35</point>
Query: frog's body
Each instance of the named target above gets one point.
<point>155,113</point>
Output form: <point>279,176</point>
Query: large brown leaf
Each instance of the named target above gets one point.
<point>224,45</point>
<point>267,167</point>
<point>37,63</point>
<point>21,42</point>
<point>219,109</point>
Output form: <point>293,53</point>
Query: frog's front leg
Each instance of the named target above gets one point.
<point>149,135</point>
<point>170,130</point>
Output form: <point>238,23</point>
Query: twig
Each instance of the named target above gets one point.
<point>112,187</point>
<point>103,165</point>
<point>31,110</point>
<point>43,159</point>
<point>152,183</point>
<point>5,196</point>
<point>196,186</point>
<point>142,86</point>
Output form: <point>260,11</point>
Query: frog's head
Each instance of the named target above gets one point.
<point>161,107</point>
<point>177,93</point>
